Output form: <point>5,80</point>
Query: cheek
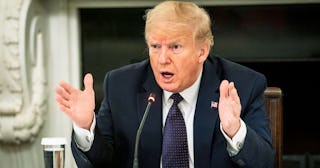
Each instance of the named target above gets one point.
<point>152,58</point>
<point>188,67</point>
<point>154,65</point>
<point>184,67</point>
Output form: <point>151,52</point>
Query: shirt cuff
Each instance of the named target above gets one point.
<point>84,138</point>
<point>235,144</point>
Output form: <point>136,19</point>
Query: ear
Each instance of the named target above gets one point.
<point>204,52</point>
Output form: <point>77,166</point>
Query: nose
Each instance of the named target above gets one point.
<point>164,58</point>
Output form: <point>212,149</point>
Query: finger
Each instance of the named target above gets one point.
<point>234,93</point>
<point>68,88</point>
<point>62,92</point>
<point>88,82</point>
<point>66,110</point>
<point>224,89</point>
<point>63,102</point>
<point>230,87</point>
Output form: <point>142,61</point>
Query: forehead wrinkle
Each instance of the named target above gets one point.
<point>165,40</point>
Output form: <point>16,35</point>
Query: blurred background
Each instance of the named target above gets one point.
<point>280,39</point>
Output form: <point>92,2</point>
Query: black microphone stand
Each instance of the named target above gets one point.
<point>151,99</point>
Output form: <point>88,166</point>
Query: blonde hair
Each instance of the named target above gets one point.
<point>183,15</point>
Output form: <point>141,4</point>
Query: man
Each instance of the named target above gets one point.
<point>224,122</point>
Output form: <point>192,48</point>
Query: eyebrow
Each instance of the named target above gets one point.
<point>169,42</point>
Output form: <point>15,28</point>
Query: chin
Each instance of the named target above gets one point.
<point>168,88</point>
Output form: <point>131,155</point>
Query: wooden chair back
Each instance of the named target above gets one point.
<point>273,101</point>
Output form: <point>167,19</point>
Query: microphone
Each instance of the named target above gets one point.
<point>151,99</point>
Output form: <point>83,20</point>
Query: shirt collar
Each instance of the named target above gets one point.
<point>189,94</point>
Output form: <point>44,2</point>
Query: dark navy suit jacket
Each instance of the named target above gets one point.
<point>126,91</point>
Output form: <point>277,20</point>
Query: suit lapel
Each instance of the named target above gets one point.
<point>205,116</point>
<point>151,136</point>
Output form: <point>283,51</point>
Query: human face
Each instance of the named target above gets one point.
<point>175,58</point>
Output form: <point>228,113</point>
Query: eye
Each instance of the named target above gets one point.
<point>155,46</point>
<point>176,48</point>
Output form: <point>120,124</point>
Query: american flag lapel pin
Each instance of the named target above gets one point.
<point>214,104</point>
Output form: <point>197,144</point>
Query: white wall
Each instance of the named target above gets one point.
<point>56,66</point>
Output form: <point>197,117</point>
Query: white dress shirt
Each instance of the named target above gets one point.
<point>187,106</point>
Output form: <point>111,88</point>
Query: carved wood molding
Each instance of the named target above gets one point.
<point>23,97</point>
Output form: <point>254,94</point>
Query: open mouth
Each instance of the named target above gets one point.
<point>167,75</point>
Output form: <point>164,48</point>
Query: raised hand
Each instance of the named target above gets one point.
<point>229,108</point>
<point>77,104</point>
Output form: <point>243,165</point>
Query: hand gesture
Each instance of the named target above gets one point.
<point>229,108</point>
<point>77,104</point>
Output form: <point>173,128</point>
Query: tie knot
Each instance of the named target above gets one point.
<point>177,98</point>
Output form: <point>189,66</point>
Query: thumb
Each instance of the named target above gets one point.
<point>88,82</point>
